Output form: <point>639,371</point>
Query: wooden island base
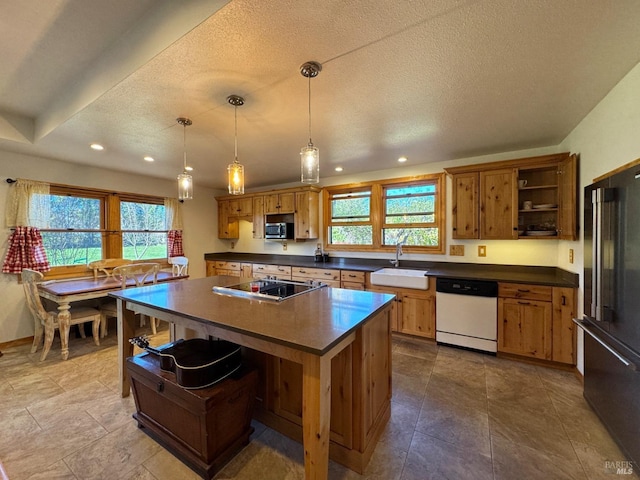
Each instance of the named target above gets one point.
<point>360,394</point>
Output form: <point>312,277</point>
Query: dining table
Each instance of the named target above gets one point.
<point>65,292</point>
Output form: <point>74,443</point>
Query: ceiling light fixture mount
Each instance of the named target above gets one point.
<point>310,155</point>
<point>235,170</point>
<point>185,180</point>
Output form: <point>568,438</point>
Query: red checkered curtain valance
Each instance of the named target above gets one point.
<point>25,250</point>
<point>174,243</point>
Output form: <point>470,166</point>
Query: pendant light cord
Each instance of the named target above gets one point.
<point>184,144</point>
<point>310,142</point>
<point>235,158</point>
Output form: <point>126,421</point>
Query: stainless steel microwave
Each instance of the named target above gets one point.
<point>280,230</point>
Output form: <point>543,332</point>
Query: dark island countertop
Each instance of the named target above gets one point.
<point>553,276</point>
<point>313,322</point>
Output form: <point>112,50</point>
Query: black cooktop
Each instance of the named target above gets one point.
<point>269,289</point>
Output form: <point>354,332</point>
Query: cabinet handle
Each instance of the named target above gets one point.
<point>564,300</point>
<point>454,229</point>
<point>302,271</point>
<point>160,386</point>
<point>351,275</point>
<point>327,273</point>
<point>523,290</point>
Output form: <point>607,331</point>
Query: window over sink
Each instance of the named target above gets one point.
<point>376,216</point>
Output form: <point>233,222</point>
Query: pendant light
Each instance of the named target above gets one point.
<point>235,170</point>
<point>185,180</point>
<point>310,155</point>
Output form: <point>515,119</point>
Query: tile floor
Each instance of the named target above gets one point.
<point>455,415</point>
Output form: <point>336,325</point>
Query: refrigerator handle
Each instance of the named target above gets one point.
<point>626,362</point>
<point>596,254</point>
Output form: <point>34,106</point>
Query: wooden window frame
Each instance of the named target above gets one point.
<point>109,224</point>
<point>377,219</point>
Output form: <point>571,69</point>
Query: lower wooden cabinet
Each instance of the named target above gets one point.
<point>352,279</point>
<point>524,327</point>
<point>536,321</point>
<point>414,311</point>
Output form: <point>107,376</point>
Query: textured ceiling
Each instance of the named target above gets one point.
<point>431,80</point>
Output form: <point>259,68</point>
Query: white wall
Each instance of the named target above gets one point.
<point>200,222</point>
<point>608,137</point>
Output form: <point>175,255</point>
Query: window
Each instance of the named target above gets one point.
<point>351,218</point>
<point>377,216</point>
<point>87,225</point>
<point>144,234</point>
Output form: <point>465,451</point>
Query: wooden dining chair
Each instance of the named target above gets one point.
<point>47,322</point>
<point>141,274</point>
<point>106,265</point>
<point>179,265</point>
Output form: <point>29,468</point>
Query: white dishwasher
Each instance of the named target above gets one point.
<point>467,313</point>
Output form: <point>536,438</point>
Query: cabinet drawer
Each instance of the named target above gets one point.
<point>322,274</point>
<point>524,291</point>
<point>351,276</point>
<point>278,270</point>
<point>228,265</point>
<point>352,285</point>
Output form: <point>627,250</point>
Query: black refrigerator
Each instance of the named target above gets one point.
<point>611,319</point>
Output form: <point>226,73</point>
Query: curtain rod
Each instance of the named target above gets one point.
<point>11,180</point>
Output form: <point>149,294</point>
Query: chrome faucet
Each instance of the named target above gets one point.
<point>396,262</point>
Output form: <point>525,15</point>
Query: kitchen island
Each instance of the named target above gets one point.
<point>307,330</point>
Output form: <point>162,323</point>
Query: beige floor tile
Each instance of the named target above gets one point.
<point>511,460</point>
<point>431,458</point>
<point>164,466</point>
<point>602,462</point>
<point>57,471</point>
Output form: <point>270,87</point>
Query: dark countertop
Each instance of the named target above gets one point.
<point>314,322</point>
<point>553,276</point>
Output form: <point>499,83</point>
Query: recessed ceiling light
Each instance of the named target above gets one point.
<point>338,169</point>
<point>97,146</point>
<point>402,159</point>
<point>149,159</point>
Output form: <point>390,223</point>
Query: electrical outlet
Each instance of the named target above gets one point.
<point>456,250</point>
<point>319,245</point>
<point>571,255</point>
<point>284,246</point>
<point>233,245</point>
<point>482,250</point>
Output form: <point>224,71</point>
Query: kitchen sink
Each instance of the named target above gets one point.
<point>401,278</point>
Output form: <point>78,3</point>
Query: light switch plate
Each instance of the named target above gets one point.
<point>482,250</point>
<point>571,255</point>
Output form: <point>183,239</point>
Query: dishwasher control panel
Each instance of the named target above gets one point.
<point>478,288</point>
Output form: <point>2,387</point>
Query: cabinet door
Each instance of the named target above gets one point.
<point>211,268</point>
<point>416,314</point>
<point>394,306</point>
<point>524,327</point>
<point>271,203</point>
<point>567,205</point>
<point>306,215</point>
<point>258,217</point>
<point>287,202</point>
<point>241,207</point>
<point>227,227</point>
<point>465,205</point>
<point>499,204</point>
<point>564,333</point>
<point>246,270</point>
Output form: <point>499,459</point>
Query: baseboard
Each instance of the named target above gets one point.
<point>16,343</point>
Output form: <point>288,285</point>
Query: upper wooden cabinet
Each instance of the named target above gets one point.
<point>465,205</point>
<point>227,225</point>
<point>300,206</point>
<point>499,204</point>
<point>306,215</point>
<point>525,198</point>
<point>275,203</point>
<point>258,216</point>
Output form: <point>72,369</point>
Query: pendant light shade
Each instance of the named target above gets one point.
<point>235,170</point>
<point>185,180</point>
<point>310,155</point>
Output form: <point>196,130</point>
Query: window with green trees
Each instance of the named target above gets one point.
<point>376,216</point>
<point>90,224</point>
